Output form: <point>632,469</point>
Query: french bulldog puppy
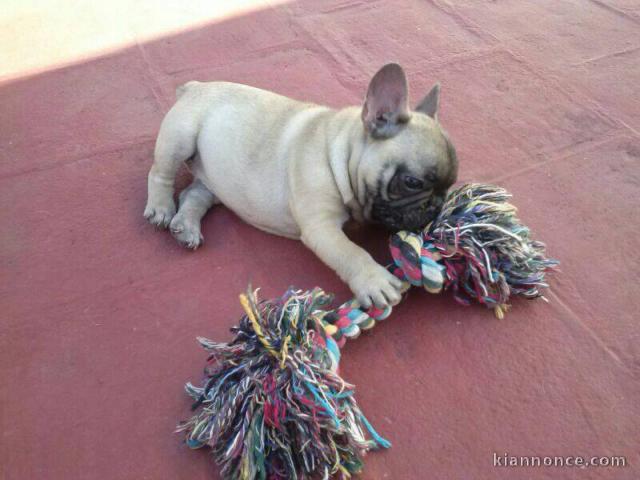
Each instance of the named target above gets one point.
<point>301,170</point>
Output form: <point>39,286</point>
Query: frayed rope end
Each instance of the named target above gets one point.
<point>272,405</point>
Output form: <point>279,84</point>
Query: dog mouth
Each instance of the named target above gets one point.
<point>411,213</point>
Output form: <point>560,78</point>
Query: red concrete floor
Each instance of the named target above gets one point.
<point>100,312</point>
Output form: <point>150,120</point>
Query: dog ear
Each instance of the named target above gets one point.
<point>429,104</point>
<point>386,105</point>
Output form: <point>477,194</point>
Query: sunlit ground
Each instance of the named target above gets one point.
<point>36,35</point>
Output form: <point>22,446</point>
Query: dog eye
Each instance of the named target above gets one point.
<point>413,183</point>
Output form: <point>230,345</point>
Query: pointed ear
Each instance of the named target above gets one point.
<point>386,105</point>
<point>429,104</point>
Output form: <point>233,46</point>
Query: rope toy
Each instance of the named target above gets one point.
<point>273,406</point>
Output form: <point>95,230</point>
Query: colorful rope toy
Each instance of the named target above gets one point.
<point>272,405</point>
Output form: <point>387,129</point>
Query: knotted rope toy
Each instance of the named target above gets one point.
<point>272,405</point>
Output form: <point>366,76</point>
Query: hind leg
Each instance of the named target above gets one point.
<point>195,200</point>
<point>175,144</point>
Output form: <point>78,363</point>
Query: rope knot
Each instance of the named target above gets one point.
<point>416,261</point>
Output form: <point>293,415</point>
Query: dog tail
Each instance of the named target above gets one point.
<point>184,87</point>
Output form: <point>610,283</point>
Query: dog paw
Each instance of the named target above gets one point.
<point>160,215</point>
<point>376,286</point>
<point>186,232</point>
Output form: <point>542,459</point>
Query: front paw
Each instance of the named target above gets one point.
<point>376,286</point>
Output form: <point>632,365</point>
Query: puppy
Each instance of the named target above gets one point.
<point>301,170</point>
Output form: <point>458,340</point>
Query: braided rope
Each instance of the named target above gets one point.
<point>415,263</point>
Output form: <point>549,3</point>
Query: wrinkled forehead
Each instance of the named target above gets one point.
<point>424,150</point>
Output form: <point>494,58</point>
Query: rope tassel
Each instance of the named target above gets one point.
<point>272,405</point>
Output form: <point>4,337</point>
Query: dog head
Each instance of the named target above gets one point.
<point>408,162</point>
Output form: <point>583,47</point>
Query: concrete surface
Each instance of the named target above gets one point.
<point>100,312</point>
